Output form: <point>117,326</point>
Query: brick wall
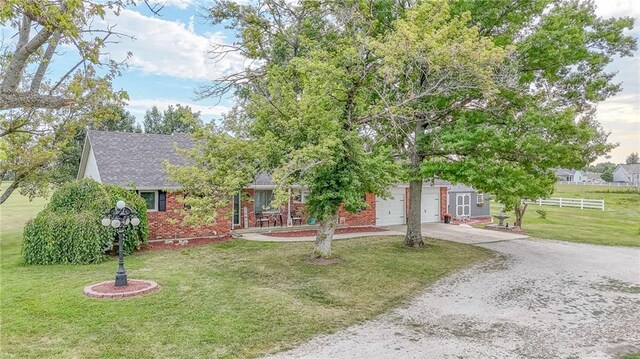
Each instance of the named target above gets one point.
<point>366,217</point>
<point>167,224</point>
<point>443,202</point>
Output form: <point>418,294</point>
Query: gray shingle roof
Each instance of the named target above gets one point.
<point>565,172</point>
<point>632,168</point>
<point>125,158</point>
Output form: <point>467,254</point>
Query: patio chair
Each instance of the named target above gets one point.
<point>295,216</point>
<point>261,219</point>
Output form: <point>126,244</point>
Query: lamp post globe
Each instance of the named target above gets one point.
<point>120,204</point>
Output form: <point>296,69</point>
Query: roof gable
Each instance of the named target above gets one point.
<point>136,159</point>
<point>632,168</point>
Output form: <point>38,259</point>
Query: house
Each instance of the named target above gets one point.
<point>568,175</point>
<point>628,174</point>
<point>465,202</point>
<point>593,177</point>
<point>135,160</point>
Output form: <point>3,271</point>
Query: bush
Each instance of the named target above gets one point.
<point>542,213</point>
<point>69,229</point>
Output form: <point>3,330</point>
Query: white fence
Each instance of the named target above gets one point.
<point>581,203</point>
<point>606,184</point>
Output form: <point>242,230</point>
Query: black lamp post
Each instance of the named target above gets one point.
<point>118,218</point>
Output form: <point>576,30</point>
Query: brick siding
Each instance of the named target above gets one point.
<point>167,224</point>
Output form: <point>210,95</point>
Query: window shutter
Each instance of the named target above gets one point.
<point>162,201</point>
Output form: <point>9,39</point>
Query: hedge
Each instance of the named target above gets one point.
<point>69,229</point>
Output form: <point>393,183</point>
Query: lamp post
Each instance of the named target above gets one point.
<point>119,217</point>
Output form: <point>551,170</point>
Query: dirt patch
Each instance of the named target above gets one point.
<point>181,244</point>
<point>323,261</point>
<point>313,232</point>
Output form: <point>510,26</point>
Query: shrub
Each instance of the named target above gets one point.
<point>69,229</point>
<point>542,213</point>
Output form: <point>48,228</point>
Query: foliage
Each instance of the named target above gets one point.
<point>299,108</point>
<point>632,158</point>
<point>542,113</point>
<point>601,167</point>
<point>542,213</point>
<point>69,230</point>
<point>607,175</point>
<point>174,119</point>
<point>44,114</point>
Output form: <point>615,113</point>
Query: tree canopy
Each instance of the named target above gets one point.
<point>174,119</point>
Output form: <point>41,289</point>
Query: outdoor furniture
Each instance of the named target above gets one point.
<point>295,216</point>
<point>261,219</point>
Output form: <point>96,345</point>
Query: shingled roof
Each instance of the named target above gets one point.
<point>125,158</point>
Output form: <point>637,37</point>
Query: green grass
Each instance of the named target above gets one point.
<point>234,299</point>
<point>618,225</point>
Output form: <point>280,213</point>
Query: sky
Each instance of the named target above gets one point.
<point>169,61</point>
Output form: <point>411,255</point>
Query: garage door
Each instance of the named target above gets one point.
<point>430,205</point>
<point>390,211</point>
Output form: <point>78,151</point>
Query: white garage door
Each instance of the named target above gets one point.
<point>430,205</point>
<point>390,211</point>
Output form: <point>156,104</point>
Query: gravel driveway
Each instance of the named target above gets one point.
<point>536,299</point>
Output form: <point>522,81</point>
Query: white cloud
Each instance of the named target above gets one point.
<point>618,8</point>
<point>180,4</point>
<point>169,48</point>
<point>139,107</point>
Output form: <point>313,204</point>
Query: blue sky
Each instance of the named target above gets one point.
<point>169,61</point>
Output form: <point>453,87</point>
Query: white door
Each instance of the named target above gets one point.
<point>430,205</point>
<point>463,205</point>
<point>391,210</point>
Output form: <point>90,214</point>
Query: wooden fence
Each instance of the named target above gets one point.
<point>581,203</point>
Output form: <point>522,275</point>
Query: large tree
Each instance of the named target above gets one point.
<point>632,158</point>
<point>431,64</point>
<point>41,114</point>
<point>539,113</point>
<point>300,108</point>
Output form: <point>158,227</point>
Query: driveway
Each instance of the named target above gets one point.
<point>536,299</point>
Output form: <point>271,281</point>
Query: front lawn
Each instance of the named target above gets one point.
<point>234,299</point>
<point>618,225</point>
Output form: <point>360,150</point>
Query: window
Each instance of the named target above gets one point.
<point>151,198</point>
<point>236,209</point>
<point>300,195</point>
<point>262,200</point>
<point>480,198</point>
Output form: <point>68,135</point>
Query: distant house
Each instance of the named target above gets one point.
<point>568,175</point>
<point>135,161</point>
<point>627,173</point>
<point>593,177</point>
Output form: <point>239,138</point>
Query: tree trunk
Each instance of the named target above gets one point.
<point>7,192</point>
<point>322,246</point>
<point>413,238</point>
<point>519,210</point>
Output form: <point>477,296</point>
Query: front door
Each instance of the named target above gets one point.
<point>463,204</point>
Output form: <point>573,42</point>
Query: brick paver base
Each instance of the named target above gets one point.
<point>107,290</point>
